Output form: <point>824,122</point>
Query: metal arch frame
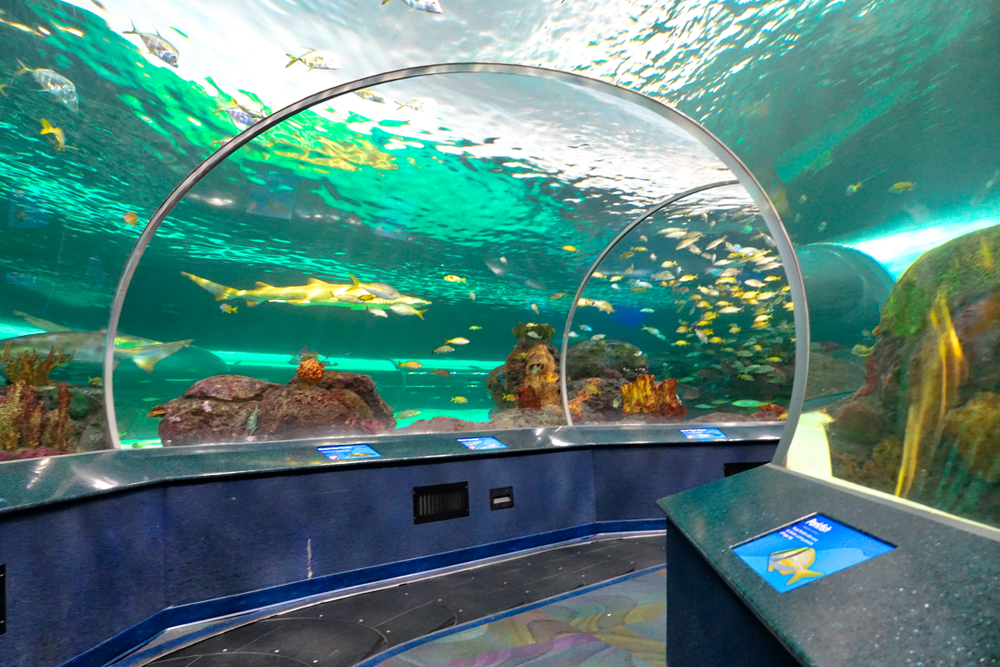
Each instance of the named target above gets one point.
<point>567,328</point>
<point>692,127</point>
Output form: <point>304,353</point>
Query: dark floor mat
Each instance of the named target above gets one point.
<point>343,632</point>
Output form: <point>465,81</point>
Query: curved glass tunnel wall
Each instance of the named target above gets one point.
<point>421,239</point>
<point>703,308</point>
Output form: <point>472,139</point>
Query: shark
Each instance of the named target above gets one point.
<point>355,295</point>
<point>87,347</point>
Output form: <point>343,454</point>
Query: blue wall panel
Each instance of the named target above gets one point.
<point>627,487</point>
<point>78,574</point>
<point>233,536</point>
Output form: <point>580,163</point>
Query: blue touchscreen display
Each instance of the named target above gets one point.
<point>808,550</point>
<point>348,452</point>
<point>487,442</point>
<point>703,434</point>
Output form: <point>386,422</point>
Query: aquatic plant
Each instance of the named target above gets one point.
<point>29,368</point>
<point>642,396</point>
<point>25,423</point>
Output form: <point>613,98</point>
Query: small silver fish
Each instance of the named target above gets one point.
<point>431,6</point>
<point>61,88</point>
<point>370,95</point>
<point>157,46</point>
<point>316,60</point>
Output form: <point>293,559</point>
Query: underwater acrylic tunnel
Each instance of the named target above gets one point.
<point>739,345</point>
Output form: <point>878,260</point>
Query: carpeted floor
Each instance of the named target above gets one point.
<point>616,626</point>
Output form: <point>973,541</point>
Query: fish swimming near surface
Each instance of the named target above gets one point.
<point>901,187</point>
<point>475,328</point>
<point>52,82</point>
<point>58,136</point>
<point>370,95</point>
<point>380,290</point>
<point>226,308</point>
<point>131,219</point>
<point>87,347</point>
<point>316,60</point>
<point>452,278</point>
<point>570,248</point>
<point>406,310</point>
<point>241,114</point>
<point>157,46</point>
<point>795,562</point>
<point>430,6</point>
<point>459,399</point>
<point>377,313</point>
<point>458,341</point>
<point>409,364</point>
<point>315,293</point>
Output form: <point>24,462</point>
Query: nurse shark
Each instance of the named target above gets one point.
<point>355,295</point>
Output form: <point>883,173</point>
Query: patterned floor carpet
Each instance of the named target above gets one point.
<point>621,625</point>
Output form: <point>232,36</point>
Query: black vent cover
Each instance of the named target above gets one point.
<point>440,502</point>
<point>735,468</point>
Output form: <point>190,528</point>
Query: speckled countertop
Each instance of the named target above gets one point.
<point>934,600</point>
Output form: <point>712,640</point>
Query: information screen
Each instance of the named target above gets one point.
<point>703,434</point>
<point>808,550</point>
<point>348,452</point>
<point>487,442</point>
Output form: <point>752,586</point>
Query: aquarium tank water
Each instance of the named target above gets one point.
<point>403,257</point>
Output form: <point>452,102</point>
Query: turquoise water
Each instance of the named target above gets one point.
<point>484,178</point>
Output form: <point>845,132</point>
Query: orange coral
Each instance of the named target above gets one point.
<point>541,376</point>
<point>772,412</point>
<point>31,369</point>
<point>310,371</point>
<point>644,397</point>
<point>588,391</point>
<point>528,398</point>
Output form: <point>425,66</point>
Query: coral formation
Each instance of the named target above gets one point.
<point>643,397</point>
<point>541,382</point>
<point>605,358</point>
<point>310,371</point>
<point>974,432</point>
<point>533,332</point>
<point>233,408</point>
<point>922,423</point>
<point>586,392</point>
<point>770,412</point>
<point>529,377</point>
<point>57,419</point>
<point>29,368</point>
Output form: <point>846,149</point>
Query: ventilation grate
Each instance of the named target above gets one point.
<point>440,502</point>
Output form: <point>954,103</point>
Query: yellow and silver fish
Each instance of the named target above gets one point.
<point>795,562</point>
<point>316,60</point>
<point>156,46</point>
<point>61,88</point>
